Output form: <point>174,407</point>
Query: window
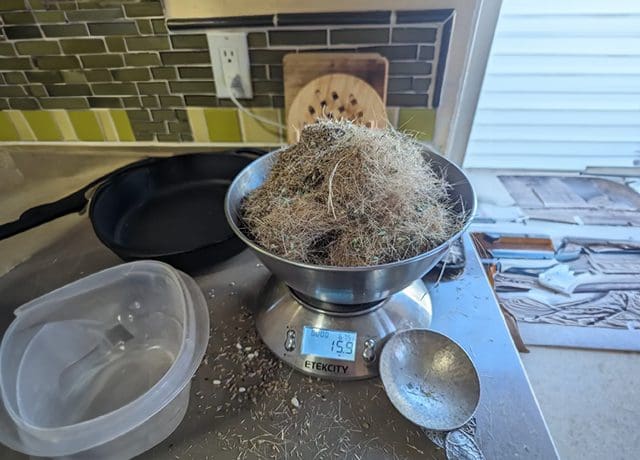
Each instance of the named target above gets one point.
<point>562,87</point>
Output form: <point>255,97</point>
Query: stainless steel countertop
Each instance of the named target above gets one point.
<point>332,420</point>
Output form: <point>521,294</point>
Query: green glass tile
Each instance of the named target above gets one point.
<point>37,90</point>
<point>141,59</point>
<point>115,44</point>
<point>7,130</point>
<point>11,90</point>
<point>74,76</point>
<point>6,49</point>
<point>15,78</point>
<point>8,5</point>
<point>49,16</point>
<point>83,45</point>
<point>24,103</point>
<point>144,26</point>
<point>86,125</point>
<point>255,131</point>
<point>143,9</point>
<point>418,122</point>
<point>43,125</point>
<point>18,17</point>
<point>159,27</point>
<point>223,125</point>
<point>123,127</point>
<point>147,43</point>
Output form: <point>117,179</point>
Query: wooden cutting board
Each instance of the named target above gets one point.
<point>301,68</point>
<point>336,96</point>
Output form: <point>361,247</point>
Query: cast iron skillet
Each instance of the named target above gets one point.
<point>168,209</point>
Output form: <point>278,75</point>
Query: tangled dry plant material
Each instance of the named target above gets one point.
<point>348,196</point>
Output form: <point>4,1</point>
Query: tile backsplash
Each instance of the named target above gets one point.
<point>117,70</point>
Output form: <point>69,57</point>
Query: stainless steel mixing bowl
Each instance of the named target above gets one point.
<point>348,285</point>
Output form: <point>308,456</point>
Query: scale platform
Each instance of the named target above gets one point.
<point>340,342</point>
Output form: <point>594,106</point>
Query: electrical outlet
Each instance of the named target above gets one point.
<point>230,60</point>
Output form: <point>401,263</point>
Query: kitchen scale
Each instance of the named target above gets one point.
<point>331,322</point>
<point>334,341</point>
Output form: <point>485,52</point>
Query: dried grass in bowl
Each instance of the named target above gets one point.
<point>348,196</point>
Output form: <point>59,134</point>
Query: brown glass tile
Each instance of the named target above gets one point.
<point>44,77</point>
<point>198,41</point>
<point>83,45</point>
<point>259,72</point>
<point>65,30</point>
<point>57,62</point>
<point>257,39</point>
<point>196,72</point>
<point>297,37</point>
<point>275,72</point>
<point>18,32</point>
<point>200,101</point>
<point>192,87</point>
<point>185,57</point>
<point>267,56</point>
<point>414,35</point>
<point>409,68</point>
<point>105,102</point>
<point>355,36</point>
<point>267,87</point>
<point>408,100</point>
<point>393,52</point>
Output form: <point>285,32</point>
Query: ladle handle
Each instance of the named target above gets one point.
<point>461,445</point>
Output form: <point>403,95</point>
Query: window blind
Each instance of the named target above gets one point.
<point>562,87</point>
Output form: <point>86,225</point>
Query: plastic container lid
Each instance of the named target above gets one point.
<point>93,360</point>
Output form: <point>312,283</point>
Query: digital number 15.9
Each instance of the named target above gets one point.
<point>340,347</point>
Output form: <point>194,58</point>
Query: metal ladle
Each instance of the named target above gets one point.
<point>432,381</point>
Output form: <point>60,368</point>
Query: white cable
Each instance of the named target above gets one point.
<point>242,108</point>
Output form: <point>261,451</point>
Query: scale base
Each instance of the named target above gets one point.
<point>282,316</point>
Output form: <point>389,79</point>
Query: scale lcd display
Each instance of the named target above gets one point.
<point>328,343</point>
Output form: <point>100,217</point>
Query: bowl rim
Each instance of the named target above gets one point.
<point>271,156</point>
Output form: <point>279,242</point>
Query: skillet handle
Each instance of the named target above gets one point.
<point>74,202</point>
<point>43,213</point>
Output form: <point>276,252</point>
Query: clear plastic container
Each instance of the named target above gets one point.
<point>101,368</point>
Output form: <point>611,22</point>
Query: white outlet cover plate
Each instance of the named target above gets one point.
<point>237,41</point>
